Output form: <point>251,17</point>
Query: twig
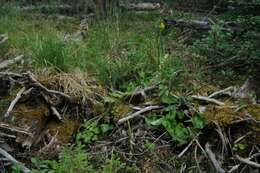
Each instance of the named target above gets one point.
<point>188,146</point>
<point>13,160</point>
<point>3,38</point>
<point>234,168</point>
<point>149,108</point>
<point>56,113</point>
<point>213,159</point>
<point>15,129</point>
<point>13,103</point>
<point>247,161</point>
<point>221,92</point>
<point>37,84</point>
<point>196,159</point>
<point>207,99</point>
<point>9,62</point>
<point>7,135</point>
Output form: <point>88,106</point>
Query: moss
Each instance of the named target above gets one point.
<point>222,115</point>
<point>28,116</point>
<point>120,109</point>
<point>254,110</point>
<point>64,130</point>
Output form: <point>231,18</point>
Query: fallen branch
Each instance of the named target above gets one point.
<point>226,91</point>
<point>200,25</point>
<point>144,6</point>
<point>15,129</point>
<point>35,83</point>
<point>3,38</point>
<point>247,161</point>
<point>9,62</point>
<point>207,99</point>
<point>146,109</point>
<point>56,113</point>
<point>13,160</point>
<point>213,159</point>
<point>13,103</point>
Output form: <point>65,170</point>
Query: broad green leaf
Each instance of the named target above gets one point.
<point>106,127</point>
<point>198,121</point>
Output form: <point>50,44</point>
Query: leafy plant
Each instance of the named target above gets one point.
<point>72,160</point>
<point>91,130</point>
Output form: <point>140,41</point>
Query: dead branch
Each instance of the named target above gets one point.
<point>35,83</point>
<point>9,62</point>
<point>201,25</point>
<point>13,160</point>
<point>3,38</point>
<point>15,129</point>
<point>213,159</point>
<point>138,113</point>
<point>140,93</point>
<point>207,99</point>
<point>56,113</point>
<point>247,161</point>
<point>143,6</point>
<point>7,135</point>
<point>226,91</point>
<point>13,103</point>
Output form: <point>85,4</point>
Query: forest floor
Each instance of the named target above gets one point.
<point>117,95</point>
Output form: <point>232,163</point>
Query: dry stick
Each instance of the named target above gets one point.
<point>7,135</point>
<point>149,108</point>
<point>13,160</point>
<point>56,113</point>
<point>220,92</point>
<point>39,85</point>
<point>9,62</point>
<point>213,159</point>
<point>234,168</point>
<point>4,38</point>
<point>15,129</point>
<point>247,161</point>
<point>188,146</point>
<point>13,103</point>
<point>196,158</point>
<point>207,99</point>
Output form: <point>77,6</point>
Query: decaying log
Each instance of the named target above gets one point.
<point>9,62</point>
<point>144,6</point>
<point>13,160</point>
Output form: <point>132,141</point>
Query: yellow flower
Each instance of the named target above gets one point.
<point>162,26</point>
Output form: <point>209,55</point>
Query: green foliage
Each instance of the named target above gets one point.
<point>91,130</point>
<point>173,124</point>
<point>16,168</point>
<point>72,160</point>
<point>50,51</point>
<point>231,51</point>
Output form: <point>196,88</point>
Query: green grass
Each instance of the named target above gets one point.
<point>124,49</point>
